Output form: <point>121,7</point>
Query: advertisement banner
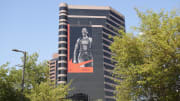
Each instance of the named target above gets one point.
<point>80,55</point>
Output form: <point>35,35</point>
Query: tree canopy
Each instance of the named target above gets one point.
<point>148,65</point>
<point>37,85</point>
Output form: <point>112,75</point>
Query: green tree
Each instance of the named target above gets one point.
<point>46,92</point>
<point>37,85</point>
<point>148,65</point>
<point>7,91</point>
<point>35,73</point>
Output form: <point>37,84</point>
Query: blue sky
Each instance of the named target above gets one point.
<point>32,25</point>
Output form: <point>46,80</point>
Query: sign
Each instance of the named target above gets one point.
<point>80,56</point>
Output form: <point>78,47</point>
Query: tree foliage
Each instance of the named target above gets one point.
<point>7,92</point>
<point>45,92</point>
<point>148,65</point>
<point>37,85</point>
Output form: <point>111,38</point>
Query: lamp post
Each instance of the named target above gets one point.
<point>24,64</point>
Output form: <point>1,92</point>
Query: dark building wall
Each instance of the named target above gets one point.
<point>101,22</point>
<point>87,21</point>
<point>91,84</point>
<point>88,12</point>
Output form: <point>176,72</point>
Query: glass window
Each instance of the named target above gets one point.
<point>62,58</point>
<point>117,16</point>
<point>108,32</point>
<point>107,73</point>
<point>62,78</point>
<point>62,71</point>
<point>107,37</point>
<point>109,93</point>
<point>62,51</point>
<point>108,67</point>
<point>63,8</point>
<point>107,60</point>
<point>110,99</point>
<point>62,39</point>
<point>112,23</point>
<point>109,87</point>
<point>88,12</point>
<point>62,26</point>
<point>52,73</point>
<point>62,64</point>
<point>52,77</point>
<point>109,80</point>
<point>52,63</point>
<point>106,42</point>
<point>112,28</point>
<point>62,33</point>
<point>51,70</point>
<point>63,17</point>
<point>116,20</point>
<point>62,45</point>
<point>107,54</point>
<point>106,48</point>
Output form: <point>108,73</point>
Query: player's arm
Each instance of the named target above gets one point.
<point>90,39</point>
<point>75,50</point>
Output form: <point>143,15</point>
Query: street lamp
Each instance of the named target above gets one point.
<point>24,64</point>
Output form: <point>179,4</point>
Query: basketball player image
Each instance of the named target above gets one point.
<point>82,50</point>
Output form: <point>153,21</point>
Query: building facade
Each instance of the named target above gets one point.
<point>84,54</point>
<point>53,68</point>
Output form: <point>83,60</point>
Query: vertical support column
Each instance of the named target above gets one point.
<point>62,62</point>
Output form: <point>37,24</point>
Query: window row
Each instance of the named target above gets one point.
<point>107,37</point>
<point>109,80</point>
<point>52,70</point>
<point>107,54</point>
<point>62,64</point>
<point>109,87</point>
<point>87,21</point>
<point>63,8</point>
<point>108,32</point>
<point>116,20</point>
<point>62,26</point>
<point>52,77</point>
<point>108,73</point>
<point>117,16</point>
<point>109,93</point>
<point>62,72</point>
<point>63,45</point>
<point>112,23</point>
<point>62,58</point>
<point>62,39</point>
<point>62,33</point>
<point>63,17</point>
<point>52,66</point>
<point>106,42</point>
<point>62,78</point>
<point>52,63</point>
<point>108,67</point>
<point>62,51</point>
<point>110,99</point>
<point>52,74</point>
<point>87,12</point>
<point>106,48</point>
<point>112,28</point>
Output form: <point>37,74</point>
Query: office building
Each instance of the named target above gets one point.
<point>84,54</point>
<point>53,66</point>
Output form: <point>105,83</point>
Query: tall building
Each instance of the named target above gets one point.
<point>53,68</point>
<point>84,54</point>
